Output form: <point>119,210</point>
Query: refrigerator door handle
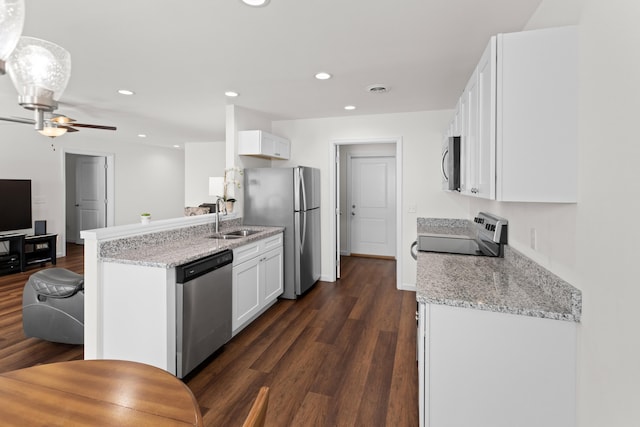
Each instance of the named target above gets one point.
<point>304,191</point>
<point>303,235</point>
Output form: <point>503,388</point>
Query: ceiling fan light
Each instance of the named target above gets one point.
<point>52,131</point>
<point>11,23</point>
<point>40,71</point>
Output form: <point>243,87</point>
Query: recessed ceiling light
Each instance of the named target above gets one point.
<point>126,92</point>
<point>176,146</point>
<point>323,76</point>
<point>142,135</point>
<point>350,107</point>
<point>256,3</point>
<point>231,94</point>
<point>377,88</point>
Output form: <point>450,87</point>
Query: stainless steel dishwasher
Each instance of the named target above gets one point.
<point>203,311</point>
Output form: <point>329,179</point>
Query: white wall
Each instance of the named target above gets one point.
<point>201,161</point>
<point>421,134</point>
<point>147,178</point>
<point>594,244</point>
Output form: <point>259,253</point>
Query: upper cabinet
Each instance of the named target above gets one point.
<point>518,117</point>
<point>263,144</point>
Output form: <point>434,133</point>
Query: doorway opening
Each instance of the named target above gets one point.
<point>367,213</point>
<point>88,193</point>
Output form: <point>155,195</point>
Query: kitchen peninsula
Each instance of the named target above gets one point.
<point>130,282</point>
<point>496,338</point>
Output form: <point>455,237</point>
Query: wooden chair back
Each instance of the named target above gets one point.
<point>258,412</point>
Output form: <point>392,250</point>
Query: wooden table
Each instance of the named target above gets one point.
<point>96,393</point>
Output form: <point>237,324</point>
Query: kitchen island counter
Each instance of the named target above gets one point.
<point>165,252</point>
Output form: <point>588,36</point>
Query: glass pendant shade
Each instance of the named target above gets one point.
<point>11,23</point>
<point>53,131</point>
<point>40,72</point>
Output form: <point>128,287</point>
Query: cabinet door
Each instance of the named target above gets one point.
<point>469,149</point>
<point>282,148</point>
<point>422,363</point>
<point>273,274</point>
<point>485,173</point>
<point>247,297</point>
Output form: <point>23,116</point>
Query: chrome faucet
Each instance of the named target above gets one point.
<point>218,213</point>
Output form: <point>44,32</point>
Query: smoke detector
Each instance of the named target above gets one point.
<point>377,88</point>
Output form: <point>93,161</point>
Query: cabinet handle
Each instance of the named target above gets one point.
<point>444,155</point>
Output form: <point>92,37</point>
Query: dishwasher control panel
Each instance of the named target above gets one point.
<point>197,268</point>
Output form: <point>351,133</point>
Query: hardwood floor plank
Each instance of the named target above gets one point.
<point>313,411</point>
<point>405,370</point>
<point>373,406</point>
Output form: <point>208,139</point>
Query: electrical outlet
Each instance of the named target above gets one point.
<point>534,242</point>
<point>413,209</point>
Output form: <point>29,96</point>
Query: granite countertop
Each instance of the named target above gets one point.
<point>167,252</point>
<point>513,284</point>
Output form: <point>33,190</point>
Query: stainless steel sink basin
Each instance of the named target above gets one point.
<point>225,236</point>
<point>237,234</point>
<point>241,233</point>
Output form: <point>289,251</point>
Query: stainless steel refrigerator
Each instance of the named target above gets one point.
<point>288,197</point>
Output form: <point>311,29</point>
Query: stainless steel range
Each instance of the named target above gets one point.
<point>485,236</point>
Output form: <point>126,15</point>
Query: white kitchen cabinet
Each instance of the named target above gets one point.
<point>258,279</point>
<point>469,134</point>
<point>262,144</point>
<point>487,369</point>
<point>485,147</point>
<point>519,124</point>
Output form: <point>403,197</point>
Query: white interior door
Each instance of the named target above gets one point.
<point>372,206</point>
<point>91,194</point>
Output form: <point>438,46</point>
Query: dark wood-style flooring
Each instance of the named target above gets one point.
<point>342,355</point>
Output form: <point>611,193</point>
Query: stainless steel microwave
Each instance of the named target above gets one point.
<point>450,165</point>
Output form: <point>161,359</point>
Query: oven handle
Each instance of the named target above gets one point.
<point>414,250</point>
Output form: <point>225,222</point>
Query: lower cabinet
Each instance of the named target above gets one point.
<point>487,369</point>
<point>257,279</point>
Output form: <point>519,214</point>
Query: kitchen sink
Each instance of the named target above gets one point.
<point>230,235</point>
<point>225,236</point>
<point>241,233</point>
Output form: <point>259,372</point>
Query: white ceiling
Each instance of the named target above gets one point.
<point>181,56</point>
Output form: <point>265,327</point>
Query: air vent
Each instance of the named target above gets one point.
<point>377,88</point>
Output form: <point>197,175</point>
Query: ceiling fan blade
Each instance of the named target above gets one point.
<point>84,125</point>
<point>68,128</point>
<point>18,120</point>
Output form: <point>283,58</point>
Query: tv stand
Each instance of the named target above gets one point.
<point>27,250</point>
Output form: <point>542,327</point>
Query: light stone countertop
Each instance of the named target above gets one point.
<point>167,252</point>
<point>513,284</point>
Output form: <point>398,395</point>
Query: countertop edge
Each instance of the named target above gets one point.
<point>541,314</point>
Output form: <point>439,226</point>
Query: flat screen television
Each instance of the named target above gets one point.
<point>15,204</point>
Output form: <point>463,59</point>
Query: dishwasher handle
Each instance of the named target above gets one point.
<point>195,269</point>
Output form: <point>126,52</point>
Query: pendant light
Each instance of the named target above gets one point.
<point>40,72</point>
<point>11,23</point>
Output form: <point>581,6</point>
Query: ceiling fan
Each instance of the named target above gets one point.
<point>57,124</point>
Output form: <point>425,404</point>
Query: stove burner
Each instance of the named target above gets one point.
<point>487,237</point>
